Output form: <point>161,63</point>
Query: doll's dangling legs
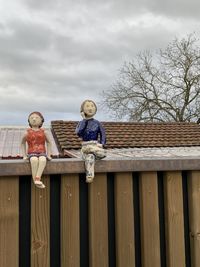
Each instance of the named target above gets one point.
<point>89,167</point>
<point>37,166</point>
<point>89,159</point>
<point>41,165</point>
<point>90,153</point>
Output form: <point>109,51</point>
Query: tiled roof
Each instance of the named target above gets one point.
<point>10,139</point>
<point>130,135</point>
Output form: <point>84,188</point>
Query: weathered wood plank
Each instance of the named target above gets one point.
<point>194,216</point>
<point>62,166</point>
<point>124,220</point>
<point>98,222</point>
<point>149,210</point>
<point>70,234</point>
<point>40,225</point>
<point>175,243</point>
<point>9,221</point>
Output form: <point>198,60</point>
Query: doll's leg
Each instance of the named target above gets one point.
<point>100,153</point>
<point>41,166</point>
<point>89,167</point>
<point>34,166</point>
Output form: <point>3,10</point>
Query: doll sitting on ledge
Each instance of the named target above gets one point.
<point>36,139</point>
<point>93,136</point>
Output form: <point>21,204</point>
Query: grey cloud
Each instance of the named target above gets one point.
<point>32,36</point>
<point>121,9</point>
<point>177,8</point>
<point>41,4</point>
<point>25,35</point>
<point>19,61</point>
<point>102,50</point>
<point>22,46</point>
<point>64,55</point>
<point>65,102</point>
<point>171,8</point>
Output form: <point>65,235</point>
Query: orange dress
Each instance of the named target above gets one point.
<point>36,142</point>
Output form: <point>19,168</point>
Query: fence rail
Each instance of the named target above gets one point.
<point>147,218</point>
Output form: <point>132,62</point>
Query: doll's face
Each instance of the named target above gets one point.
<point>89,109</point>
<point>35,120</point>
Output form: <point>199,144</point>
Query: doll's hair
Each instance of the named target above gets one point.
<point>88,100</point>
<point>39,114</point>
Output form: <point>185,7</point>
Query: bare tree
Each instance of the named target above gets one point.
<point>164,86</point>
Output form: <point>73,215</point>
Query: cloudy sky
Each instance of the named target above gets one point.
<point>56,53</point>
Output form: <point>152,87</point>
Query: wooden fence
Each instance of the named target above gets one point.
<point>144,217</point>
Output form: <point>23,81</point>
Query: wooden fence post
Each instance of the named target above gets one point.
<point>194,216</point>
<point>70,232</point>
<point>40,225</point>
<point>98,221</point>
<point>9,221</point>
<point>149,210</point>
<point>124,220</point>
<point>175,242</point>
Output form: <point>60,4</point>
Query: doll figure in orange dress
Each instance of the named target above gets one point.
<point>36,147</point>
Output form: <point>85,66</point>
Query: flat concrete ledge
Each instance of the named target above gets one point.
<point>59,166</point>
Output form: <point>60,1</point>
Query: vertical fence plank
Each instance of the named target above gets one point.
<point>70,236</point>
<point>149,210</point>
<point>9,221</point>
<point>173,192</point>
<point>194,215</point>
<point>124,220</point>
<point>98,222</point>
<point>40,225</point>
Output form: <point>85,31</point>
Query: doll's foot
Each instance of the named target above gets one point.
<point>89,179</point>
<point>39,183</point>
<point>41,186</point>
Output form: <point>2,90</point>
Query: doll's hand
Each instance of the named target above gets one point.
<point>49,157</point>
<point>83,115</point>
<point>25,158</point>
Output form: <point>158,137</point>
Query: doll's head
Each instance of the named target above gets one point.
<point>89,108</point>
<point>35,119</point>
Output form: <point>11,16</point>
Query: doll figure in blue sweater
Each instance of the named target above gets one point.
<point>93,138</point>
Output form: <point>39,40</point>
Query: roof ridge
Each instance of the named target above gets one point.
<point>129,122</point>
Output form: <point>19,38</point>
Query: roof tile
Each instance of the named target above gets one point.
<point>132,134</point>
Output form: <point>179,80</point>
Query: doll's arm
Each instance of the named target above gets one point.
<point>23,147</point>
<point>49,146</point>
<point>102,134</point>
<point>81,127</point>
